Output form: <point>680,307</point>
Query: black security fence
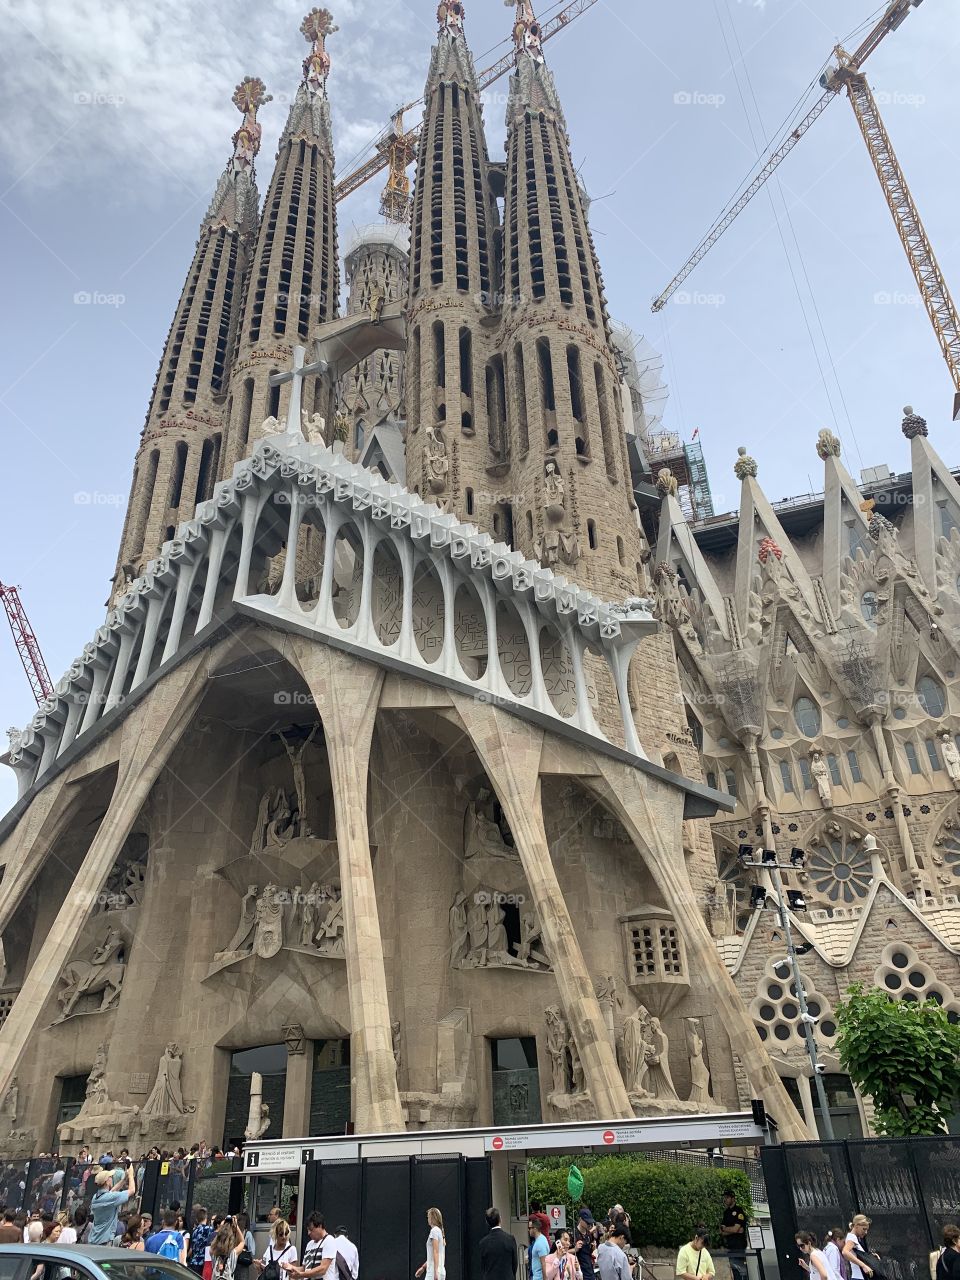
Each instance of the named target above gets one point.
<point>383,1204</point>
<point>908,1187</point>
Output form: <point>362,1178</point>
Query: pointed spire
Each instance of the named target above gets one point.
<point>450,15</point>
<point>235,201</point>
<point>316,26</point>
<point>248,97</point>
<point>527,35</point>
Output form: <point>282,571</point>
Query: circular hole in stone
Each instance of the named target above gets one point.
<point>828,1028</point>
<point>899,960</point>
<point>892,981</point>
<point>781,1031</point>
<point>790,1010</point>
<point>767,1012</point>
<point>774,991</point>
<point>917,980</point>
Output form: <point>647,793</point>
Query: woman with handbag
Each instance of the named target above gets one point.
<point>280,1249</point>
<point>857,1252</point>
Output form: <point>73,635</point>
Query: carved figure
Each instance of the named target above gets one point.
<point>166,1097</point>
<point>341,426</point>
<point>555,543</point>
<point>669,605</point>
<point>11,1101</point>
<point>554,491</point>
<point>248,919</point>
<point>699,1072</point>
<point>666,482</point>
<point>477,932</point>
<point>377,300</point>
<point>821,777</point>
<point>270,427</point>
<point>557,1047</point>
<point>497,944</point>
<point>134,882</point>
<point>395,1040</point>
<point>313,428</point>
<point>635,1044</point>
<point>610,1000</point>
<point>258,1116</point>
<point>744,465</point>
<point>308,917</point>
<point>279,822</point>
<point>951,756</point>
<point>576,1066</point>
<point>450,16</point>
<point>658,1079</point>
<point>531,951</point>
<point>481,833</point>
<point>458,929</point>
<point>268,934</point>
<point>103,972</point>
<point>435,457</point>
<point>299,780</point>
<point>262,822</point>
<point>330,940</point>
<point>828,445</point>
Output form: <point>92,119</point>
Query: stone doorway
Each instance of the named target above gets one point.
<point>270,1060</point>
<point>330,1088</point>
<point>516,1081</point>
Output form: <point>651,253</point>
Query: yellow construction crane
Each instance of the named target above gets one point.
<point>396,147</point>
<point>847,74</point>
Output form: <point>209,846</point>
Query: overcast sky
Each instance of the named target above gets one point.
<point>117,122</point>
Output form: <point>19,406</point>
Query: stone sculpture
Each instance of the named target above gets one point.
<point>11,1102</point>
<point>951,756</point>
<point>481,832</point>
<point>557,1037</point>
<point>166,1097</point>
<point>458,929</point>
<point>313,427</point>
<point>556,542</point>
<point>258,1117</point>
<point>666,482</point>
<point>828,445</point>
<point>821,777</point>
<point>299,778</point>
<point>435,457</point>
<point>477,932</point>
<point>101,975</point>
<point>268,932</point>
<point>308,915</point>
<point>699,1072</point>
<point>395,1040</point>
<point>635,1032</point>
<point>610,1001</point>
<point>330,941</point>
<point>659,1080</point>
<point>745,465</point>
<point>238,944</point>
<point>531,952</point>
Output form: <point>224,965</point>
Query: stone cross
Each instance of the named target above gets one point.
<point>296,376</point>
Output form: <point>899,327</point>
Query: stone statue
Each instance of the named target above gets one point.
<point>658,1081</point>
<point>166,1097</point>
<point>341,426</point>
<point>258,1117</point>
<point>134,882</point>
<point>531,951</point>
<point>313,428</point>
<point>828,445</point>
<point>610,1000</point>
<point>377,300</point>
<point>497,944</point>
<point>11,1102</point>
<point>481,833</point>
<point>821,777</point>
<point>279,822</point>
<point>554,491</point>
<point>722,903</point>
<point>635,1039</point>
<point>458,929</point>
<point>666,482</point>
<point>557,1048</point>
<point>951,756</point>
<point>556,542</point>
<point>699,1072</point>
<point>299,780</point>
<point>264,809</point>
<point>308,918</point>
<point>238,944</point>
<point>744,465</point>
<point>477,932</point>
<point>395,1040</point>
<point>268,932</point>
<point>102,973</point>
<point>270,427</point>
<point>576,1066</point>
<point>437,463</point>
<point>330,940</point>
<point>669,605</point>
<point>97,1105</point>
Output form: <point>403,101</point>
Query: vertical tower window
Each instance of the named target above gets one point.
<point>520,399</point>
<point>176,476</point>
<point>606,431</point>
<point>786,777</point>
<point>833,765</point>
<point>592,534</point>
<point>575,382</point>
<point>273,400</point>
<point>933,754</point>
<point>910,751</point>
<point>854,765</point>
<point>468,499</point>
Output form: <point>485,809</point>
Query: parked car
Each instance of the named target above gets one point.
<point>85,1262</point>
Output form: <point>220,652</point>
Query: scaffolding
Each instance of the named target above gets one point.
<point>686,463</point>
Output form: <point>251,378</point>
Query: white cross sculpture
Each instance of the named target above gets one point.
<point>296,375</point>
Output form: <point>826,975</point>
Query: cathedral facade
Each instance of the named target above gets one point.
<point>374,800</point>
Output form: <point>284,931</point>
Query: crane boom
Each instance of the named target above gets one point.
<point>27,644</point>
<point>892,17</point>
<point>393,147</point>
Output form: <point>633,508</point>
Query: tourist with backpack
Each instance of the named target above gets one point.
<point>168,1242</point>
<point>280,1249</point>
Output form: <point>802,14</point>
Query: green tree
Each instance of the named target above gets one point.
<point>903,1054</point>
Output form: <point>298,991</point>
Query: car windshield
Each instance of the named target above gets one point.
<point>145,1267</point>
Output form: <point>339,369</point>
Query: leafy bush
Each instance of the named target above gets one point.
<point>665,1201</point>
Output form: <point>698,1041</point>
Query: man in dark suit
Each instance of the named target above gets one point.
<point>498,1251</point>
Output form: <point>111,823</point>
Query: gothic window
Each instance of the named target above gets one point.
<point>933,754</point>
<point>838,868</point>
<point>273,400</point>
<point>776,1010</point>
<point>786,777</point>
<point>654,948</point>
<point>592,534</point>
<point>179,467</point>
<point>854,764</point>
<point>468,499</point>
<point>869,606</point>
<point>931,697</point>
<point>904,976</point>
<point>910,751</point>
<point>835,775</point>
<point>520,385</point>
<point>712,780</point>
<point>359,431</point>
<point>805,774</point>
<point>730,780</point>
<point>807,715</point>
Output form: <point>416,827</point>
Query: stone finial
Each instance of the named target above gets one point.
<point>316,26</point>
<point>828,445</point>
<point>450,15</point>
<point>744,465</point>
<point>527,35</point>
<point>666,482</point>
<point>767,549</point>
<point>913,425</point>
<point>249,95</point>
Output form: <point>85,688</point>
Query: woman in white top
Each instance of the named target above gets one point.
<point>811,1258</point>
<point>435,1266</point>
<point>69,1233</point>
<point>831,1251</point>
<point>855,1239</point>
<point>279,1249</point>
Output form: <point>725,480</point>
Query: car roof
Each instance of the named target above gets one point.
<point>79,1253</point>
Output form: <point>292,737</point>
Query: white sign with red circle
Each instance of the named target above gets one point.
<point>609,1137</point>
<point>497,1143</point>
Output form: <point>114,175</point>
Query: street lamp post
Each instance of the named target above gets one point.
<point>768,862</point>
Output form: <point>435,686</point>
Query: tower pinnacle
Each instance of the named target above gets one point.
<point>450,15</point>
<point>249,95</point>
<point>527,36</point>
<point>316,26</point>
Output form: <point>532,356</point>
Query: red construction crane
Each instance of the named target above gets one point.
<point>27,645</point>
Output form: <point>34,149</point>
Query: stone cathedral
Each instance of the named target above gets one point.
<point>382,778</point>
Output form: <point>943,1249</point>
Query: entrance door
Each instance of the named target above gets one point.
<point>516,1081</point>
<point>271,1062</point>
<point>330,1089</point>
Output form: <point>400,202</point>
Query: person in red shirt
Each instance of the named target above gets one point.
<point>536,1211</point>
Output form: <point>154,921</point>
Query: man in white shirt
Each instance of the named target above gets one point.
<point>348,1252</point>
<point>319,1255</point>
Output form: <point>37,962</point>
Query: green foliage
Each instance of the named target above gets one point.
<point>905,1055</point>
<point>665,1201</point>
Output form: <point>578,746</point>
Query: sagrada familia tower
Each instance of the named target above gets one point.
<point>378,778</point>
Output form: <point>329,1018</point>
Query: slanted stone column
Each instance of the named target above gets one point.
<point>148,737</point>
<point>622,790</point>
<point>347,694</point>
<point>509,750</point>
<point>23,851</point>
